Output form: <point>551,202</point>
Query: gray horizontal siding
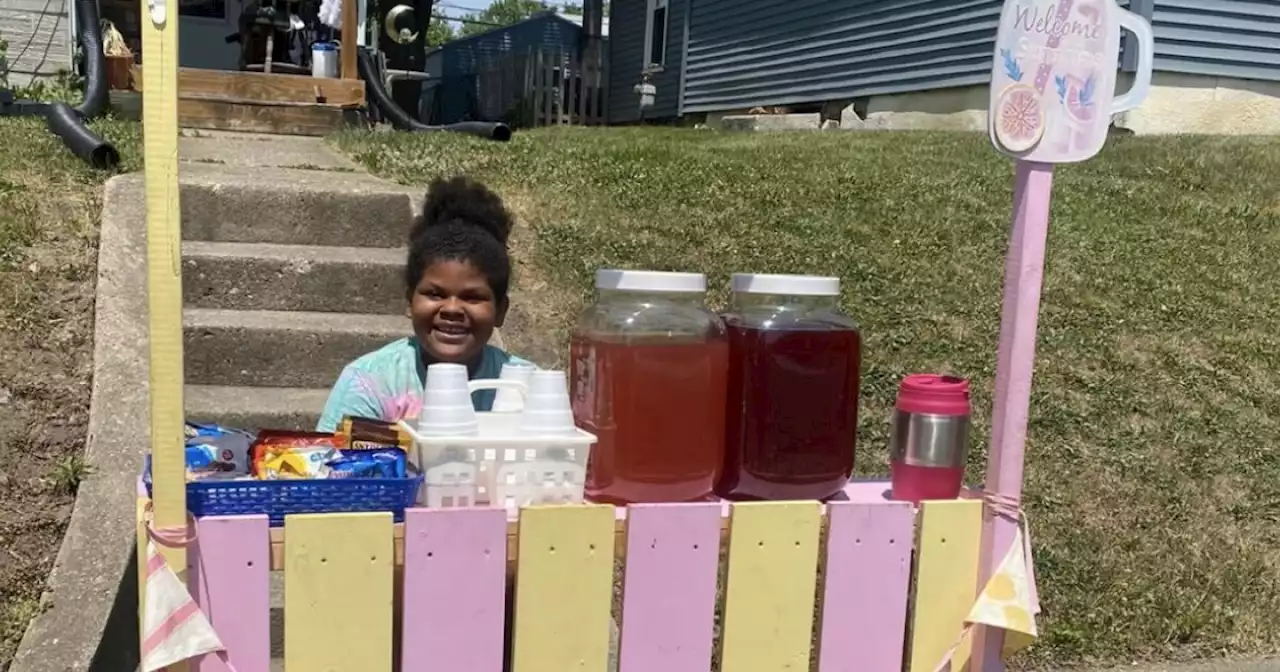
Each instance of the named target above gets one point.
<point>1228,38</point>
<point>626,53</point>
<point>38,34</point>
<point>627,59</point>
<point>744,53</point>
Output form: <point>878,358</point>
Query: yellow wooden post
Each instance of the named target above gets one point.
<point>164,267</point>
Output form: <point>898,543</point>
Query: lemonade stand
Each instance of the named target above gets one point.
<point>860,583</point>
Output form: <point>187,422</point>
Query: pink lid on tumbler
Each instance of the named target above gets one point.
<point>932,393</point>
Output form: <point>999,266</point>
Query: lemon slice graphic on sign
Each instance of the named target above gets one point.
<point>1020,119</point>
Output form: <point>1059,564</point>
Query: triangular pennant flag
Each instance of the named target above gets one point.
<point>1008,602</point>
<point>175,628</point>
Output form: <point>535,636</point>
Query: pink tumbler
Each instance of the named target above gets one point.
<point>929,439</point>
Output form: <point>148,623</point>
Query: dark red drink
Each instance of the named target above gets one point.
<point>657,410</point>
<point>792,412</point>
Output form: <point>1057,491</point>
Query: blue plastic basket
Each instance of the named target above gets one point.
<point>278,499</point>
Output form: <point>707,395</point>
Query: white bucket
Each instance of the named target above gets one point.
<point>324,59</point>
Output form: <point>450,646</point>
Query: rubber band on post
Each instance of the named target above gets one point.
<point>170,537</point>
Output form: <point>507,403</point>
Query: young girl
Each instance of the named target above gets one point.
<point>456,284</point>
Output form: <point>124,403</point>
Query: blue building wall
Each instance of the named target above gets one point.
<point>453,98</point>
<point>1226,38</point>
<point>744,53</point>
<point>627,60</point>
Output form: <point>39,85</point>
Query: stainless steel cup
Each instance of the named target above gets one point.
<point>928,440</point>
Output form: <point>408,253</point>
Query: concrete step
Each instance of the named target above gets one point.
<point>267,348</point>
<point>227,203</point>
<point>256,407</point>
<point>266,276</point>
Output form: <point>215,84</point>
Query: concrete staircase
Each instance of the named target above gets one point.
<point>292,264</point>
<point>288,274</point>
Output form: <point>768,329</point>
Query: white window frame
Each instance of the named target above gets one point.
<point>651,8</point>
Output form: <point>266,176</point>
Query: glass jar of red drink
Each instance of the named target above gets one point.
<point>647,377</point>
<point>795,364</point>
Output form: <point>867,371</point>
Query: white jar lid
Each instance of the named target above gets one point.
<point>650,281</point>
<point>786,285</point>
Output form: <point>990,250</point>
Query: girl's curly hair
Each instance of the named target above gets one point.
<point>462,220</point>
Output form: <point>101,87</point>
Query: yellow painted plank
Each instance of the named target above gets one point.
<point>164,271</point>
<point>946,581</point>
<point>338,594</point>
<point>773,572</point>
<point>564,588</point>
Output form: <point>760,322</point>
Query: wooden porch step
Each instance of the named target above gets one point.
<point>255,102</point>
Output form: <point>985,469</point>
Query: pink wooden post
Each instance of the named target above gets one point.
<point>1015,361</point>
<point>868,572</point>
<point>228,573</point>
<point>669,598</point>
<point>1061,115</point>
<point>455,568</point>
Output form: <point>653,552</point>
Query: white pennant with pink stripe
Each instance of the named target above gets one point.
<point>174,627</point>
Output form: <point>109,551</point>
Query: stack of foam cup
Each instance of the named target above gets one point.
<point>546,406</point>
<point>507,399</point>
<point>446,403</point>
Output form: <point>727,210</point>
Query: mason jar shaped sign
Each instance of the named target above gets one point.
<point>1054,75</point>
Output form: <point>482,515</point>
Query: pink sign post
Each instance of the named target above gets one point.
<point>1052,98</point>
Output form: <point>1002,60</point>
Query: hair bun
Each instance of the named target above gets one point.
<point>460,200</point>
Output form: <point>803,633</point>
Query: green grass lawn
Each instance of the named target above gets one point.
<point>49,210</point>
<point>1153,483</point>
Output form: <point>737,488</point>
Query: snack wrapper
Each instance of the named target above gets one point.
<point>279,454</point>
<point>382,462</point>
<point>284,462</point>
<point>370,434</point>
<point>213,451</point>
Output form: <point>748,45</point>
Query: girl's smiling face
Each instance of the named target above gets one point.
<point>454,311</point>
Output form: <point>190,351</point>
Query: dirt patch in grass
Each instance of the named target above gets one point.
<point>542,311</point>
<point>49,211</point>
<point>1153,485</point>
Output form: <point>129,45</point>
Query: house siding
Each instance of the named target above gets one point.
<point>39,37</point>
<point>627,59</point>
<point>743,53</point>
<point>1224,38</point>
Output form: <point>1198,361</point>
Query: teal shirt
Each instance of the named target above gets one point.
<point>386,384</point>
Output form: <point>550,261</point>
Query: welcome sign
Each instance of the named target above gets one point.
<point>1054,74</point>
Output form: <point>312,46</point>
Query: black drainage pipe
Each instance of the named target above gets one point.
<point>65,121</point>
<point>493,130</point>
<point>66,124</point>
<point>96,96</point>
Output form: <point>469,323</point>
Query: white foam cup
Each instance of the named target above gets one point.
<point>448,377</point>
<point>508,398</point>
<point>546,407</point>
<point>446,403</point>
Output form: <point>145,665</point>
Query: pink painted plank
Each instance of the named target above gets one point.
<point>228,573</point>
<point>866,491</point>
<point>868,575</point>
<point>669,598</point>
<point>455,570</point>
